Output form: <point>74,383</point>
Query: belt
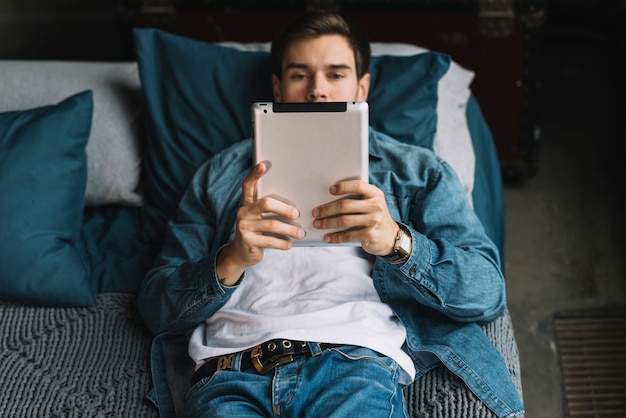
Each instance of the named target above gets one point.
<point>262,358</point>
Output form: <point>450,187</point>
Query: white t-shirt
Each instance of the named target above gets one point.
<point>321,294</point>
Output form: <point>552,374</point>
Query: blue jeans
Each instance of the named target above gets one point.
<point>346,381</point>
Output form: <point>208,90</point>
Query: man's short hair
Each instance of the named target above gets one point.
<point>318,23</point>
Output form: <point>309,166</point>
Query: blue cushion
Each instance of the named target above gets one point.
<point>119,257</point>
<point>403,95</point>
<point>198,95</point>
<point>43,175</point>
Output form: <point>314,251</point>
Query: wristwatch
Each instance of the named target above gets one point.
<point>402,248</point>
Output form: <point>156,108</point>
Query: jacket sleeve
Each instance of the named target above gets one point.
<point>454,267</point>
<point>181,289</point>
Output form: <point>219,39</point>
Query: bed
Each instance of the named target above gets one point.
<point>93,159</point>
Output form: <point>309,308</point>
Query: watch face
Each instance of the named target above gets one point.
<point>402,248</point>
<point>404,245</point>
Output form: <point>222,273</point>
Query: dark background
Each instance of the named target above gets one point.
<point>508,82</point>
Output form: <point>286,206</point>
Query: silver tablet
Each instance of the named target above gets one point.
<point>308,147</point>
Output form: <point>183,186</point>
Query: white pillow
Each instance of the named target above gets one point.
<point>114,149</point>
<point>453,141</point>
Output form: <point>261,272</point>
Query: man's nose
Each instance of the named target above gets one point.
<point>317,90</point>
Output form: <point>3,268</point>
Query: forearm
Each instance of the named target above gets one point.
<point>466,282</point>
<point>182,289</point>
<point>462,282</point>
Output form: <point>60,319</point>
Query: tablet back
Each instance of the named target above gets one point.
<point>309,146</point>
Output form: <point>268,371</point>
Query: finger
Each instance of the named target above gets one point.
<point>340,237</point>
<point>343,222</point>
<point>269,241</point>
<point>354,191</point>
<point>269,215</point>
<point>373,240</point>
<point>276,226</point>
<point>347,206</point>
<point>257,233</point>
<point>249,183</point>
<point>271,206</point>
<point>358,187</point>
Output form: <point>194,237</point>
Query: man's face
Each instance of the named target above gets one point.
<point>320,70</point>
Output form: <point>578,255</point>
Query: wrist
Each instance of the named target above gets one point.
<point>229,282</point>
<point>403,246</point>
<point>227,271</point>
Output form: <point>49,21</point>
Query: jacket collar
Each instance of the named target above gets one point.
<point>374,149</point>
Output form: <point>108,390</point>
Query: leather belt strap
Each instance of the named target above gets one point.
<point>262,358</point>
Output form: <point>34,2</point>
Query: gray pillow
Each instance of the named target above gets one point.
<point>115,146</point>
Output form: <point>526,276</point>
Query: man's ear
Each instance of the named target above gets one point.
<point>276,88</point>
<point>364,87</point>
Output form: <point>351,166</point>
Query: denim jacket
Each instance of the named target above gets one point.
<point>451,282</point>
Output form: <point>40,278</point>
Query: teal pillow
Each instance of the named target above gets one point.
<point>403,95</point>
<point>197,99</point>
<point>43,175</point>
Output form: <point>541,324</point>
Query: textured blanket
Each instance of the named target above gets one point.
<point>74,362</point>
<point>441,394</point>
<point>94,362</point>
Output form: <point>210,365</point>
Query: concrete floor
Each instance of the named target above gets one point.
<point>565,229</point>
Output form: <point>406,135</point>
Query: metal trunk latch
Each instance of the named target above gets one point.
<point>496,18</point>
<point>157,13</point>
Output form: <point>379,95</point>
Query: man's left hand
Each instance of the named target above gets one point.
<point>365,218</point>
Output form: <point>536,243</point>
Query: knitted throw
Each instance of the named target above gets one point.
<point>94,362</point>
<point>74,362</point>
<point>441,394</point>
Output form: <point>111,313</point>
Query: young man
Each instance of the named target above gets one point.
<point>335,330</point>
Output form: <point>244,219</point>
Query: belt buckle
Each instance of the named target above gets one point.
<point>257,353</point>
<point>225,362</point>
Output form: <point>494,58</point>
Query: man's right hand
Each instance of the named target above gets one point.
<point>254,232</point>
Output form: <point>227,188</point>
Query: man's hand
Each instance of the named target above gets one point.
<point>368,218</point>
<point>255,230</point>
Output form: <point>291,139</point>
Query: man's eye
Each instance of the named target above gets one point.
<point>336,76</point>
<point>298,76</point>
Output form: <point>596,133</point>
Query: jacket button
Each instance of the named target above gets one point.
<point>412,269</point>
